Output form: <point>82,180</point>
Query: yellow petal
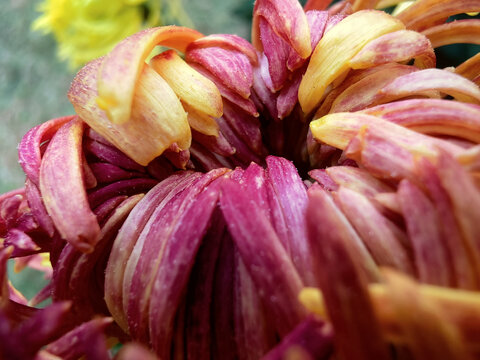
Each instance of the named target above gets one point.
<point>122,66</point>
<point>201,122</point>
<point>194,89</point>
<point>333,53</point>
<point>157,119</point>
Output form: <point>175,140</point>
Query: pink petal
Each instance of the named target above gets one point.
<point>63,191</point>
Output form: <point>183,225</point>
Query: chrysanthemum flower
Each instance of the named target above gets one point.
<point>86,30</point>
<point>312,194</point>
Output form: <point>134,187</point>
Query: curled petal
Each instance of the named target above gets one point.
<point>358,180</point>
<point>247,127</point>
<point>232,68</point>
<point>317,22</point>
<point>229,42</point>
<point>368,90</point>
<point>433,79</point>
<point>23,244</point>
<point>164,124</point>
<point>469,69</point>
<point>190,86</point>
<point>288,97</point>
<point>276,52</point>
<point>339,129</point>
<point>29,149</point>
<point>397,46</point>
<point>108,154</point>
<point>295,31</point>
<point>200,122</point>
<point>199,293</point>
<point>423,14</point>
<point>122,67</point>
<point>433,116</point>
<point>348,37</point>
<point>63,191</point>
<point>456,32</point>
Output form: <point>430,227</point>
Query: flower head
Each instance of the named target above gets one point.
<point>314,192</point>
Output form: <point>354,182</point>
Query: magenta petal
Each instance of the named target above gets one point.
<point>260,248</point>
<point>62,188</point>
<point>23,244</point>
<point>122,187</point>
<point>111,155</point>
<point>104,210</point>
<point>9,207</point>
<point>217,144</point>
<point>108,173</point>
<point>85,286</point>
<point>463,266</point>
<point>203,159</point>
<point>231,68</point>
<point>288,96</point>
<point>242,151</point>
<point>228,42</point>
<point>29,149</point>
<point>465,197</point>
<point>317,21</point>
<point>263,97</point>
<point>254,334</point>
<point>343,281</point>
<point>198,330</point>
<point>292,196</point>
<point>276,50</point>
<point>246,126</point>
<point>328,222</point>
<point>223,344</point>
<point>144,258</point>
<point>177,259</point>
<point>381,236</point>
<point>324,179</point>
<point>421,218</point>
<point>125,241</point>
<point>149,251</point>
<point>245,104</point>
<point>45,326</point>
<point>295,31</point>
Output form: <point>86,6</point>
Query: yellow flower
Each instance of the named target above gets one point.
<point>88,29</point>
